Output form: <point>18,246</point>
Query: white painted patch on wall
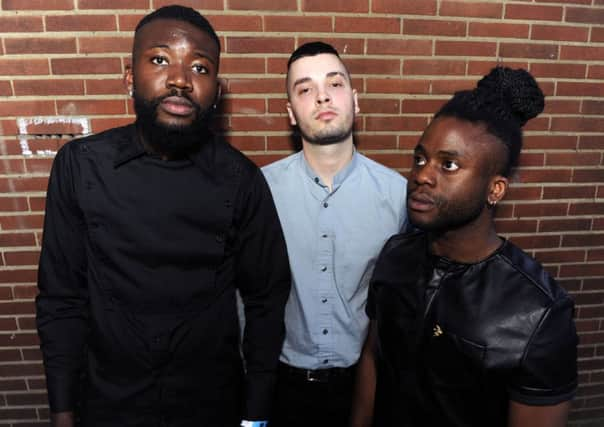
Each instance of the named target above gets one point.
<point>25,136</point>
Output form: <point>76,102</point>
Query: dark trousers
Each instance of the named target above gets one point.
<point>321,400</point>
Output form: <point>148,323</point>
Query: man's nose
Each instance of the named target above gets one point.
<point>179,77</point>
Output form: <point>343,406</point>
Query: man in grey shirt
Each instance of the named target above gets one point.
<point>337,208</point>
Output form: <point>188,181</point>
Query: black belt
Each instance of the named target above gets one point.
<point>317,375</point>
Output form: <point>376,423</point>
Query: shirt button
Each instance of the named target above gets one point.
<point>325,204</point>
<point>219,238</point>
<point>324,236</point>
<point>324,300</point>
<point>326,361</point>
<point>323,268</point>
<point>325,331</point>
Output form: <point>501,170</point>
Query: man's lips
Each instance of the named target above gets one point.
<point>325,115</point>
<point>420,202</point>
<point>177,105</point>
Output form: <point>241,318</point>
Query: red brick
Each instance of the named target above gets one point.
<point>237,22</point>
<point>128,22</point>
<point>593,107</point>
<point>57,127</point>
<point>8,324</point>
<point>574,192</point>
<point>16,239</point>
<point>540,175</point>
<point>195,4</point>
<point>465,48</point>
<point>373,66</point>
<point>589,175</point>
<point>32,108</point>
<point>393,161</point>
<point>6,293</point>
<point>26,292</point>
<point>297,24</point>
<point>81,23</point>
<point>243,106</point>
<point>571,159</point>
<point>541,210</point>
<point>40,45</point>
<point>450,86</point>
<point>12,204</point>
<point>550,142</point>
<point>499,30</point>
<point>24,399</point>
<point>583,240</point>
<point>433,27</point>
<point>433,67</point>
<point>91,107</point>
<point>247,45</point>
<point>523,193</point>
<point>12,385</point>
<point>281,143</point>
<point>105,44</point>
<point>86,66</point>
<point>264,159</point>
<point>37,5</point>
<point>395,123</point>
<point>279,6</point>
<point>532,159</point>
<point>277,105</point>
<point>105,87</point>
<point>399,47</point>
<point>516,226</point>
<point>21,222</point>
<point>407,7</point>
<point>237,65</point>
<point>40,87</point>
<point>558,225</point>
<point>260,85</point>
<point>113,4</point>
<point>352,6</point>
<point>595,71</point>
<point>536,241</point>
<point>533,12</point>
<point>548,257</point>
<point>585,15</point>
<point>526,50</point>
<point>559,32</point>
<point>5,88</point>
<point>553,69</point>
<point>31,354</point>
<point>580,89</point>
<point>23,67</point>
<point>20,369</point>
<point>379,106</point>
<point>22,258</point>
<point>259,123</point>
<point>597,34</point>
<point>480,68</point>
<point>342,45</point>
<point>582,53</point>
<point>37,204</point>
<point>595,255</point>
<point>589,142</point>
<point>582,270</point>
<point>471,10</point>
<point>375,142</point>
<point>577,124</point>
<point>21,24</point>
<point>99,125</point>
<point>586,209</point>
<point>425,106</point>
<point>562,106</point>
<point>18,413</point>
<point>247,142</point>
<point>367,25</point>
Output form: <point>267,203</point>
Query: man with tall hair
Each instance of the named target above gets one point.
<point>337,208</point>
<point>467,329</point>
<point>149,231</point>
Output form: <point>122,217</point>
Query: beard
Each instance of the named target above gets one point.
<point>172,141</point>
<point>451,215</point>
<point>326,136</point>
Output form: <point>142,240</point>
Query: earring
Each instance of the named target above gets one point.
<point>492,202</point>
<point>131,93</point>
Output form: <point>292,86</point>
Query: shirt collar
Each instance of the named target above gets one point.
<point>340,177</point>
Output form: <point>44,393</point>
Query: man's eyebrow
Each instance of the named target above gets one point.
<point>301,80</point>
<point>337,73</point>
<point>328,75</point>
<point>198,53</point>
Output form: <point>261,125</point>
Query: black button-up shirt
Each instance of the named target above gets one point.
<point>140,263</point>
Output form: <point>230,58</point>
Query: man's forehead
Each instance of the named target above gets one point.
<point>164,30</point>
<point>317,66</point>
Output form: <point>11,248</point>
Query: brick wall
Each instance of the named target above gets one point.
<point>61,75</point>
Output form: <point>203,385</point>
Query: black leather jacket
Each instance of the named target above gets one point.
<point>457,341</point>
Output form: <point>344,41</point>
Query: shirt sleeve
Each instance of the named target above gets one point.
<point>263,278</point>
<point>548,371</point>
<point>62,302</point>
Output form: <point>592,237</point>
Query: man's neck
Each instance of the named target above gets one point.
<point>328,160</point>
<point>471,243</point>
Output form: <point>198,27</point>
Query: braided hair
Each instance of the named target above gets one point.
<point>504,100</point>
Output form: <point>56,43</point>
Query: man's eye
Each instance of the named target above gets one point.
<point>159,60</point>
<point>303,90</point>
<point>200,69</point>
<point>337,84</point>
<point>419,160</point>
<point>450,165</point>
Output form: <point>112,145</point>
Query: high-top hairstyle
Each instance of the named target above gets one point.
<point>180,13</point>
<point>504,100</point>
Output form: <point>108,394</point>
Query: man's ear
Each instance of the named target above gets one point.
<point>355,99</point>
<point>218,96</point>
<point>290,113</point>
<point>129,80</point>
<point>497,189</point>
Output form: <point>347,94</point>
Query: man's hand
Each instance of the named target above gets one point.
<point>61,419</point>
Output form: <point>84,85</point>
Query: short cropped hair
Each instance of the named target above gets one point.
<point>503,100</point>
<point>180,13</point>
<point>311,49</point>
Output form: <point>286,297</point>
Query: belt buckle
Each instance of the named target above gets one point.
<point>314,376</point>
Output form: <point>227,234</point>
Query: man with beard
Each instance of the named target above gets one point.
<point>337,208</point>
<point>467,329</point>
<point>149,230</point>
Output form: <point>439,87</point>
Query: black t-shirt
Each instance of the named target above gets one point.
<point>457,341</point>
